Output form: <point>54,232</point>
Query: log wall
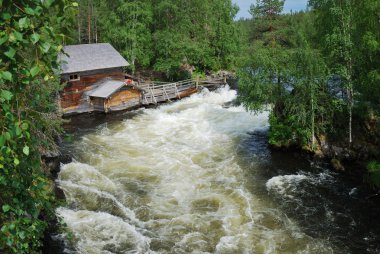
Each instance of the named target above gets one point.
<point>126,98</point>
<point>73,93</point>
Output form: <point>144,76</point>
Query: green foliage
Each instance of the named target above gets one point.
<point>335,24</point>
<point>367,52</point>
<point>373,174</point>
<point>267,9</point>
<point>265,77</point>
<point>167,35</point>
<point>197,33</point>
<point>316,70</point>
<point>198,74</point>
<point>29,44</point>
<point>280,134</point>
<point>287,132</point>
<point>127,26</point>
<point>286,73</point>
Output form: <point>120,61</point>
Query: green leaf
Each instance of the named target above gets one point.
<point>25,150</point>
<point>34,71</point>
<point>25,81</point>
<point>45,47</point>
<point>4,228</point>
<point>30,11</point>
<point>6,95</point>
<point>24,126</point>
<point>7,75</point>
<point>16,161</point>
<point>75,4</point>
<point>18,131</point>
<point>12,38</point>
<point>35,38</point>
<point>2,141</point>
<point>10,53</point>
<point>21,235</point>
<point>6,15</point>
<point>47,3</point>
<point>18,35</point>
<point>7,136</point>
<point>3,39</point>
<point>23,22</point>
<point>6,208</point>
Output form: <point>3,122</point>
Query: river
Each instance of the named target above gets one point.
<point>197,176</point>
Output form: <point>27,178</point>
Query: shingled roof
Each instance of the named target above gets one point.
<point>87,57</point>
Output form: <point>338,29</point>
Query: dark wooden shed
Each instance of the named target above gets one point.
<point>112,95</point>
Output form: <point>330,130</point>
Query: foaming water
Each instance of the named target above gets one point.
<point>170,180</point>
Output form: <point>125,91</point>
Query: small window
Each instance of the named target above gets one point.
<point>74,77</point>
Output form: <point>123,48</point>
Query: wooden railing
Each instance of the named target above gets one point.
<point>154,92</point>
<point>157,92</point>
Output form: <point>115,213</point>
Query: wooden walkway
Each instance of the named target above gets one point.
<point>153,93</point>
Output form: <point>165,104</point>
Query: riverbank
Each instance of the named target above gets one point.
<point>349,163</point>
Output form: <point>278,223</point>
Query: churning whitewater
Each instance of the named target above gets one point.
<point>169,181</point>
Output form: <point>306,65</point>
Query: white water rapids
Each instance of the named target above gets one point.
<point>168,181</point>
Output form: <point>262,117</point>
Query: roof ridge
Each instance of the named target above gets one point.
<point>87,57</point>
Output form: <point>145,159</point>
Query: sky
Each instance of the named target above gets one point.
<point>295,5</point>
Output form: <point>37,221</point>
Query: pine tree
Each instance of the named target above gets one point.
<point>267,9</point>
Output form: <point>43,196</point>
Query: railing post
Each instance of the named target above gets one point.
<point>197,82</point>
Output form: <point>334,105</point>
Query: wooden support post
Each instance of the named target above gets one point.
<point>176,91</point>
<point>104,105</point>
<point>225,79</point>
<point>197,83</point>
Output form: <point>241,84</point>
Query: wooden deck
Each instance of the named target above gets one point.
<point>153,93</point>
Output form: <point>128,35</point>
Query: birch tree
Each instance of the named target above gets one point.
<point>335,22</point>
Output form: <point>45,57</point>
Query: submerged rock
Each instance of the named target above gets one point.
<point>337,165</point>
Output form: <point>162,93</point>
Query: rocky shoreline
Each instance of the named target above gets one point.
<point>350,162</point>
<point>51,243</point>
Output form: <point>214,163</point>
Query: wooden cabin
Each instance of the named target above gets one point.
<point>94,78</point>
<point>95,81</point>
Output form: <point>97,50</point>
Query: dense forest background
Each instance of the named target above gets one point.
<point>318,72</point>
<point>168,36</point>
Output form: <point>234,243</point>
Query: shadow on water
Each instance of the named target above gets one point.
<point>324,204</point>
<point>86,123</point>
<point>78,126</point>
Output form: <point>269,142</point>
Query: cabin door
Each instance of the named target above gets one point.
<point>99,104</point>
